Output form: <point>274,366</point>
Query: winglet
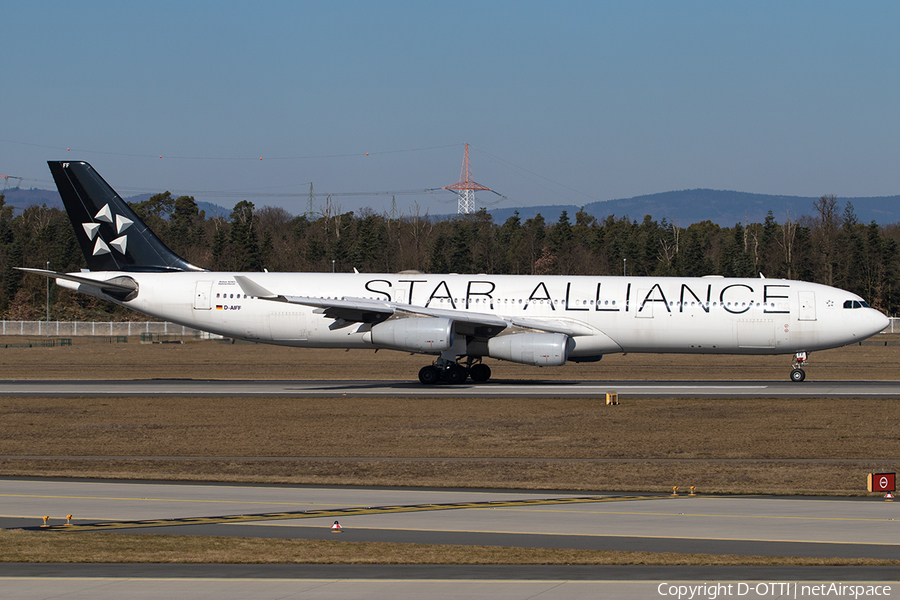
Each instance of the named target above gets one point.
<point>254,289</point>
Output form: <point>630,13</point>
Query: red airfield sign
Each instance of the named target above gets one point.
<point>882,482</point>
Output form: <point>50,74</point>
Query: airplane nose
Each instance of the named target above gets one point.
<point>879,322</point>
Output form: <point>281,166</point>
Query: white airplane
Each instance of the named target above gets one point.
<point>459,319</point>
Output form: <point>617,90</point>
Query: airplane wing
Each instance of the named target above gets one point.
<point>358,310</point>
<point>361,310</point>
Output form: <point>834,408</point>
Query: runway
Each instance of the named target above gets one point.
<point>330,582</point>
<point>767,526</point>
<point>405,388</point>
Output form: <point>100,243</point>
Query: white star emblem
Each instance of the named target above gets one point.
<point>91,229</point>
<point>105,214</point>
<point>122,224</point>
<point>120,243</point>
<point>100,247</point>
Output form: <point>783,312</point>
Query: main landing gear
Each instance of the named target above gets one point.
<point>800,359</point>
<point>454,372</point>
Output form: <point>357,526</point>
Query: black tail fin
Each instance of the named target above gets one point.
<point>111,235</point>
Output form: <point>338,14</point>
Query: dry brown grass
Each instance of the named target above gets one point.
<point>92,358</point>
<point>28,546</point>
<point>719,445</point>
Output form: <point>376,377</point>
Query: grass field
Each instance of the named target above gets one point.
<point>876,359</point>
<point>30,546</point>
<point>808,446</point>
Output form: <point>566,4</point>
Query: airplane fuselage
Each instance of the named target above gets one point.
<point>461,319</point>
<point>609,314</point>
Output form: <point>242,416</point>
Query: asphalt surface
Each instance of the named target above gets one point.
<point>768,526</point>
<point>743,525</point>
<point>401,587</point>
<point>405,388</point>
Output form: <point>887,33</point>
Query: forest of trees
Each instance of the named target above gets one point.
<point>829,247</point>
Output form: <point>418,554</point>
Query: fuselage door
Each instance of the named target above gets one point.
<point>807,306</point>
<point>203,295</point>
<point>756,333</point>
<point>288,326</point>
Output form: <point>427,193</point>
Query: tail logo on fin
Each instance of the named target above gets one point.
<point>92,229</point>
<point>110,226</point>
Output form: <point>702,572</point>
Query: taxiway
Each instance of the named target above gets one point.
<point>767,526</point>
<point>746,525</point>
<point>405,388</point>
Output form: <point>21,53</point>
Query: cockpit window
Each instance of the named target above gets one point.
<point>855,304</point>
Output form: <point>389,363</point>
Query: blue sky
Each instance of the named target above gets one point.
<point>561,103</point>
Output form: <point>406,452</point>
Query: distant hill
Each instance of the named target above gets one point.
<point>22,199</point>
<point>722,207</point>
<point>683,207</point>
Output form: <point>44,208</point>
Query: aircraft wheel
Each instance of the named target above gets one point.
<point>457,374</point>
<point>480,372</point>
<point>429,375</point>
<point>798,375</point>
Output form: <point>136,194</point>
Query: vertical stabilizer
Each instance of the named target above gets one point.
<point>111,235</point>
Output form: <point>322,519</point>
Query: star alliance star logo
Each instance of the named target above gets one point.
<point>120,243</point>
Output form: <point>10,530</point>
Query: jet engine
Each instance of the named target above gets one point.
<point>428,334</point>
<point>540,349</point>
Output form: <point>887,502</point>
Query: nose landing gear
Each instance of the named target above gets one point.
<point>800,359</point>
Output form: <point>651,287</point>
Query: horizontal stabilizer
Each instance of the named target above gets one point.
<point>121,284</point>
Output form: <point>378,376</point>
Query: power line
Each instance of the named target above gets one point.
<point>230,158</point>
<point>523,169</point>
